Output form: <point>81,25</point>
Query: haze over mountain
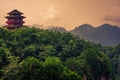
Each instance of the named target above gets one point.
<point>60,29</point>
<point>105,34</point>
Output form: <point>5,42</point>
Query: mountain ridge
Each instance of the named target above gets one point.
<point>105,34</point>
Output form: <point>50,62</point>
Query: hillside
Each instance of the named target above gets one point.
<point>35,54</point>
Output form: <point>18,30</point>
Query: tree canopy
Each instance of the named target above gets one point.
<point>36,54</point>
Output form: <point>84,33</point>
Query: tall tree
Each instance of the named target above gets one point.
<point>98,63</point>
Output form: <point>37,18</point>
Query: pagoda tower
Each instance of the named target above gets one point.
<point>14,19</point>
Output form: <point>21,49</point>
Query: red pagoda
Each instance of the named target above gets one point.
<point>14,20</point>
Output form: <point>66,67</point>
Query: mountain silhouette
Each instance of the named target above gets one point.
<point>106,34</point>
<point>82,30</point>
<point>60,29</point>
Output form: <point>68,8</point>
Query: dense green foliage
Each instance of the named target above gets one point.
<point>35,54</point>
<point>32,69</point>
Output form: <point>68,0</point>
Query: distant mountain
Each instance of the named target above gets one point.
<point>105,34</point>
<point>37,26</point>
<point>82,30</point>
<point>60,29</point>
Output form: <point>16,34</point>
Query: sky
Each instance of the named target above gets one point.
<point>65,13</point>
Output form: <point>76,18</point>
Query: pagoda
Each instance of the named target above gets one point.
<point>14,19</point>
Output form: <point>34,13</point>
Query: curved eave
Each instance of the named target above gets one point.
<point>14,13</point>
<point>15,22</point>
<point>13,17</point>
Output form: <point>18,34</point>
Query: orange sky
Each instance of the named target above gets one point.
<point>65,13</point>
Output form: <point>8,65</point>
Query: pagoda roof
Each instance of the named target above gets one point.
<point>15,11</point>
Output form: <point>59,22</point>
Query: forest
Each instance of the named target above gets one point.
<point>37,54</point>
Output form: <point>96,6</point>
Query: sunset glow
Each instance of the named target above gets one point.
<point>65,13</point>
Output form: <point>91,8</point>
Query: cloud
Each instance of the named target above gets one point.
<point>51,15</point>
<point>113,16</point>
